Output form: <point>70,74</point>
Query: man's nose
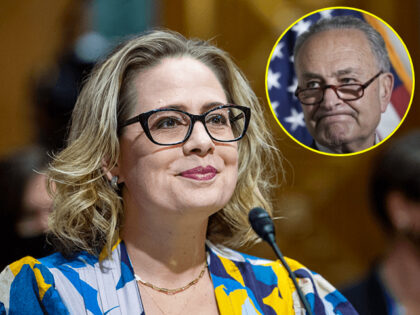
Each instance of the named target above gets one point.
<point>199,141</point>
<point>331,98</point>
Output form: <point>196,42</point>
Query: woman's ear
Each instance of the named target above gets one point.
<point>110,170</point>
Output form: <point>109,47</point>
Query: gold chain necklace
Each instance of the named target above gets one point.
<point>172,291</point>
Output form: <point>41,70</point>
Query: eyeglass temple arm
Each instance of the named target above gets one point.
<point>129,122</point>
<point>233,119</point>
<point>371,80</point>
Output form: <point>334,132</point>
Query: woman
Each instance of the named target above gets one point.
<point>161,170</point>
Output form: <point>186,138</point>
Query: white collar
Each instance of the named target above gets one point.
<point>328,150</point>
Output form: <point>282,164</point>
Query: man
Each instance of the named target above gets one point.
<point>393,284</point>
<point>344,83</point>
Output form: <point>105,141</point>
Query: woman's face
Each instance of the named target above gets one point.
<point>36,206</point>
<point>197,176</point>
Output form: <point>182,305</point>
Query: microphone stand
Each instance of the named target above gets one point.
<point>279,255</point>
<point>262,224</point>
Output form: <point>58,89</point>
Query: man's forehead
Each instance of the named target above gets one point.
<point>307,74</point>
<point>336,36</point>
<point>343,51</point>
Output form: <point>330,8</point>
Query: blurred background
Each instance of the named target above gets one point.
<point>49,46</point>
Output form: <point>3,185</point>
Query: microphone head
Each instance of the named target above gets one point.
<point>262,224</point>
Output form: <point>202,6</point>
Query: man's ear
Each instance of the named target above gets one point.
<point>386,85</point>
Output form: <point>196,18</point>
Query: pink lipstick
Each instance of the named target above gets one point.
<point>200,173</point>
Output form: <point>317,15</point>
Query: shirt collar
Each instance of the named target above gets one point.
<point>327,150</point>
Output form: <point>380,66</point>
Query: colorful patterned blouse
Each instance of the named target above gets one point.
<point>93,285</point>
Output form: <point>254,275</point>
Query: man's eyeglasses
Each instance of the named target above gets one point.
<point>167,126</point>
<point>345,92</point>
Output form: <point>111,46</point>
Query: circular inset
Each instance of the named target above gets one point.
<point>339,81</point>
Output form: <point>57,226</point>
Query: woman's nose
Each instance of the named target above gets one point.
<point>199,141</point>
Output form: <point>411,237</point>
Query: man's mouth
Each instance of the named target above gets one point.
<point>333,116</point>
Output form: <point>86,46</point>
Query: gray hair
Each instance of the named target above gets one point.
<point>376,41</point>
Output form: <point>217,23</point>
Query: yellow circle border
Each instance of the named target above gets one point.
<point>338,154</point>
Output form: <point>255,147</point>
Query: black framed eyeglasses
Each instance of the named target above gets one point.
<point>345,92</point>
<point>167,126</point>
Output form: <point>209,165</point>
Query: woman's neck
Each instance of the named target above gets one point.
<point>165,249</point>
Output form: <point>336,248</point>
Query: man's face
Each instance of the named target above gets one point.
<point>341,57</point>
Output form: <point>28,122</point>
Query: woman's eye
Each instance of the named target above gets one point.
<point>216,119</point>
<point>168,122</point>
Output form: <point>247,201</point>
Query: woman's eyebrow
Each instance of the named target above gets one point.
<point>211,105</point>
<point>184,108</point>
<point>174,106</point>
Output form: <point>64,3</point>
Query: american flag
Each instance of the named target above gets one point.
<point>282,81</point>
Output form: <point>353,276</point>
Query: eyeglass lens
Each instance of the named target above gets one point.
<point>168,127</point>
<point>345,92</point>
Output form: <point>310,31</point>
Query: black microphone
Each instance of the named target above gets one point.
<point>263,225</point>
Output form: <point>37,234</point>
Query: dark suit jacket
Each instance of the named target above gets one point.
<point>368,296</point>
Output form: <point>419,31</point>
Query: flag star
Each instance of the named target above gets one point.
<point>273,79</point>
<point>277,53</point>
<point>295,119</point>
<point>292,59</point>
<point>301,27</point>
<point>326,14</point>
<point>275,105</point>
<point>292,88</point>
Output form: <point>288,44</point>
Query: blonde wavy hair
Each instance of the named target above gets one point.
<point>88,212</point>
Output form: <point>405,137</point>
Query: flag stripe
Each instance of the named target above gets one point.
<point>393,56</point>
<point>400,99</point>
<point>389,121</point>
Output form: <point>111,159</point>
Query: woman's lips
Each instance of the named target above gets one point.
<point>200,173</point>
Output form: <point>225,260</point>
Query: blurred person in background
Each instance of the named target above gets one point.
<point>90,30</point>
<point>393,285</point>
<point>24,205</point>
<point>54,93</point>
